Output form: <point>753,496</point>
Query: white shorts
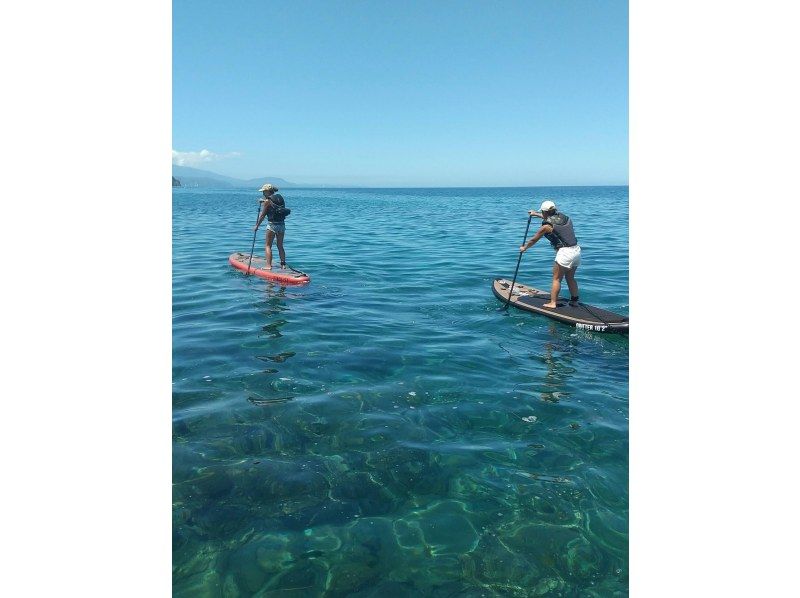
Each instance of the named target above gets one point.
<point>569,257</point>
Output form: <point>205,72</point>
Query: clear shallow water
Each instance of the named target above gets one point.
<point>385,430</point>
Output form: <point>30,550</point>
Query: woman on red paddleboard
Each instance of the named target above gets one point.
<point>272,208</point>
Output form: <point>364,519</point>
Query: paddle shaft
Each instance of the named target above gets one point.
<point>519,259</point>
<point>253,248</point>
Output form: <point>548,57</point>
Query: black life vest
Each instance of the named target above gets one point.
<point>563,234</point>
<point>277,211</point>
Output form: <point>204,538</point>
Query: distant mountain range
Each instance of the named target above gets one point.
<point>194,177</point>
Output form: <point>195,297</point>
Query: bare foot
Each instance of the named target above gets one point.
<point>550,305</point>
<point>268,267</point>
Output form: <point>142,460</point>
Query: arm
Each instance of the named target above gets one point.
<point>535,213</point>
<point>263,213</point>
<point>546,228</point>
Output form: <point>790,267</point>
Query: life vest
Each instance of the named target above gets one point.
<point>277,210</point>
<point>563,234</point>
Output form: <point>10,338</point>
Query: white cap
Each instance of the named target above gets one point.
<point>547,205</point>
<point>268,187</point>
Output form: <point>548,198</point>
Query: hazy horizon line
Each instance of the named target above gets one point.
<point>322,186</point>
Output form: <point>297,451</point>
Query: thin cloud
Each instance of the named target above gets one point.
<point>198,158</point>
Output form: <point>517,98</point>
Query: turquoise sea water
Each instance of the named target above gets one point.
<point>386,430</point>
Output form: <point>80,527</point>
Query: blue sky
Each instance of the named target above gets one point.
<point>403,93</point>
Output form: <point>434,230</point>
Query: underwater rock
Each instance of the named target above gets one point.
<point>243,564</point>
<point>468,566</point>
<point>179,429</point>
<point>610,530</point>
<point>271,552</point>
<point>406,471</point>
<point>327,512</point>
<point>409,536</point>
<point>607,588</point>
<point>254,441</point>
<point>371,540</point>
<point>464,590</point>
<point>304,578</point>
<point>360,489</point>
<point>213,484</point>
<point>386,589</point>
<point>450,589</point>
<point>323,540</point>
<point>320,428</point>
<point>584,561</point>
<point>335,465</point>
<point>548,585</point>
<point>547,507</point>
<point>367,555</point>
<point>203,585</point>
<point>180,515</point>
<point>351,576</point>
<point>496,564</point>
<point>230,589</point>
<point>340,442</point>
<point>609,491</point>
<point>444,528</point>
<point>475,491</point>
<point>541,544</point>
<point>220,520</point>
<point>179,539</point>
<point>286,488</point>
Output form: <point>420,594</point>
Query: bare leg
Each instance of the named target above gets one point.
<point>558,273</point>
<point>268,249</point>
<point>571,282</point>
<point>281,252</point>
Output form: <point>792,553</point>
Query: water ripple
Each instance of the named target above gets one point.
<point>387,430</point>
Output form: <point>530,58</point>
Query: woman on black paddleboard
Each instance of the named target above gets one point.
<point>557,228</point>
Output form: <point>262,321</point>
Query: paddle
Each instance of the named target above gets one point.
<point>519,259</point>
<point>255,232</point>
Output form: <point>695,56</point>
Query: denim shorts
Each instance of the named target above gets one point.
<point>277,227</point>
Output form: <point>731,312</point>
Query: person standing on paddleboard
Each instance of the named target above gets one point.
<point>557,228</point>
<point>273,208</point>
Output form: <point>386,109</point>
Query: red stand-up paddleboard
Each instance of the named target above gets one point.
<point>288,275</point>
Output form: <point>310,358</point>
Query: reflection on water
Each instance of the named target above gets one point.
<point>279,358</point>
<point>404,439</point>
<point>558,359</point>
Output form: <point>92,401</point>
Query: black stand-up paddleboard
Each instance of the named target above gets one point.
<point>579,315</point>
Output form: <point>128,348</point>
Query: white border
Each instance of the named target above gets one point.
<point>87,437</point>
<point>86,128</point>
<point>714,167</point>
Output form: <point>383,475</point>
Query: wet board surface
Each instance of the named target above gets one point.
<point>289,275</point>
<point>580,315</point>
